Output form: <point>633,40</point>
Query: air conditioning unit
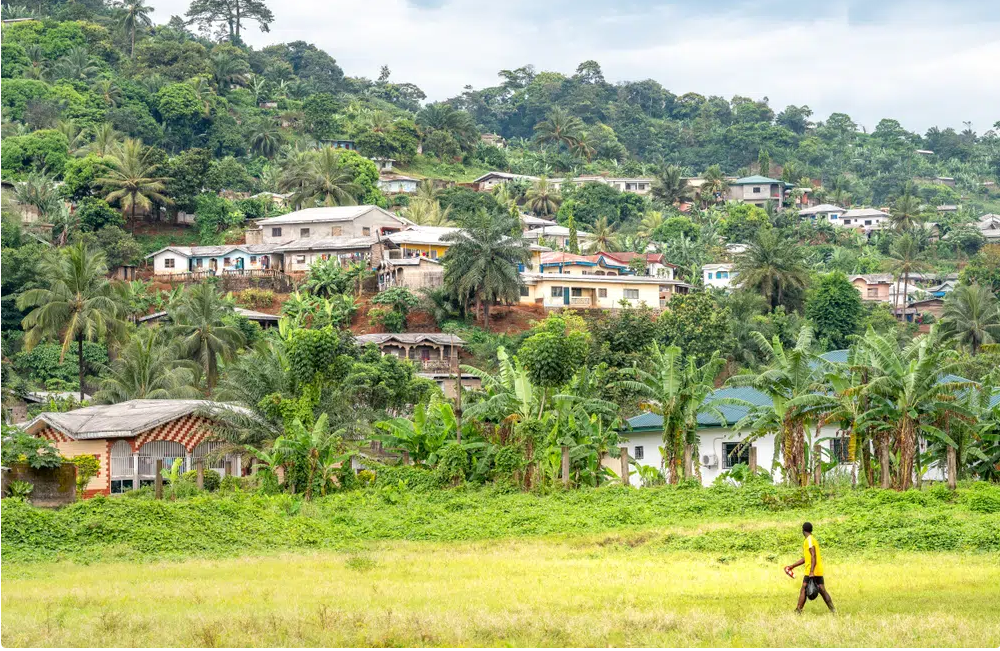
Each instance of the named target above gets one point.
<point>709,460</point>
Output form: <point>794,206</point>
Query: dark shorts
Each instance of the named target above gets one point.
<point>817,579</point>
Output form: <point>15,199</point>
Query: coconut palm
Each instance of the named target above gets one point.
<point>77,304</point>
<point>108,90</point>
<point>76,64</point>
<point>651,222</point>
<point>905,212</point>
<point>105,140</point>
<point>135,13</point>
<point>482,262</point>
<point>773,267</point>
<point>198,321</point>
<point>130,175</point>
<point>905,258</point>
<point>715,186</point>
<point>74,135</point>
<point>318,176</point>
<point>603,237</point>
<point>542,198</point>
<point>971,317</point>
<point>266,138</point>
<point>428,213</point>
<point>675,389</point>
<point>147,368</point>
<point>559,128</point>
<point>227,70</point>
<point>39,191</point>
<point>670,186</point>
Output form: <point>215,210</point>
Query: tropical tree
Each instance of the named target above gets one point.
<point>670,186</point>
<point>789,374</point>
<point>130,177</point>
<point>421,437</point>
<point>266,138</point>
<point>78,303</point>
<point>105,140</point>
<point>714,187</point>
<point>428,213</point>
<point>482,262</point>
<point>76,64</point>
<point>559,128</point>
<point>108,90</point>
<point>198,318</point>
<point>675,389</point>
<point>971,317</point>
<point>772,266</point>
<point>542,198</point>
<point>905,214</point>
<point>135,14</point>
<point>603,237</point>
<point>147,368</point>
<point>905,258</point>
<point>319,176</point>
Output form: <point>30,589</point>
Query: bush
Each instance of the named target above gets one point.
<point>984,501</point>
<point>212,478</point>
<point>19,447</point>
<point>255,298</point>
<point>453,463</point>
<point>87,467</point>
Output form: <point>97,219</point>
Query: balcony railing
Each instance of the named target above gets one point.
<point>580,301</point>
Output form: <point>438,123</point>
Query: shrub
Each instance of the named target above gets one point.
<point>387,319</point>
<point>255,299</point>
<point>453,463</point>
<point>87,467</point>
<point>984,501</point>
<point>19,447</point>
<point>212,478</point>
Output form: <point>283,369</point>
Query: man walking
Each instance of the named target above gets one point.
<point>813,559</point>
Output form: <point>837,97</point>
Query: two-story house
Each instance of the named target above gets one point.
<point>824,212</point>
<point>864,219</point>
<point>720,275</point>
<point>758,190</point>
<point>873,287</point>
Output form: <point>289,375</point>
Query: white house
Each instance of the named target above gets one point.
<point>177,260</point>
<point>325,221</point>
<point>557,234</point>
<point>719,274</point>
<point>864,219</point>
<point>989,226</point>
<point>397,184</point>
<point>490,180</point>
<point>824,212</point>
<point>383,164</point>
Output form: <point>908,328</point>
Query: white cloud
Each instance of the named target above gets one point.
<point>922,66</point>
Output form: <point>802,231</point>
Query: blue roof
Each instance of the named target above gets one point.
<point>732,412</point>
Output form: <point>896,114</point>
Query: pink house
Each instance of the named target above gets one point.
<point>873,287</point>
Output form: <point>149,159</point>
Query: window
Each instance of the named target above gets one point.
<point>725,275</point>
<point>524,290</point>
<point>708,275</point>
<point>639,453</point>
<point>868,222</point>
<point>521,267</point>
<point>576,292</point>
<point>300,259</point>
<point>199,263</point>
<point>756,189</point>
<point>168,263</point>
<point>336,230</point>
<point>718,274</point>
<point>631,293</point>
<point>434,255</point>
<point>735,453</point>
<point>303,232</point>
<point>566,242</point>
<point>834,215</point>
<point>119,486</point>
<point>226,262</point>
<point>276,232</point>
<point>847,222</point>
<point>557,292</point>
<point>840,450</point>
<point>253,259</point>
<point>602,292</point>
<point>366,230</point>
<point>873,292</point>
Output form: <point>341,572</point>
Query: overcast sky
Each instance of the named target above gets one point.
<point>923,63</point>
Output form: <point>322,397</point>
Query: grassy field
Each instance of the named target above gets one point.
<point>593,591</point>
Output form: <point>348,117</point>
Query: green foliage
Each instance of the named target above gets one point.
<point>395,304</point>
<point>743,222</point>
<point>835,309</point>
<point>556,350</point>
<point>118,246</point>
<point>87,467</point>
<point>20,490</point>
<point>213,216</point>
<point>211,478</point>
<point>592,201</point>
<point>45,362</point>
<point>696,323</point>
<point>94,214</point>
<point>46,150</point>
<point>19,447</point>
<point>80,175</point>
<point>984,269</point>
<point>255,298</point>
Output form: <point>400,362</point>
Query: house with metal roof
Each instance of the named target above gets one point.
<point>325,221</point>
<point>865,219</point>
<point>436,355</point>
<point>129,438</point>
<point>824,212</point>
<point>758,190</point>
<point>214,260</point>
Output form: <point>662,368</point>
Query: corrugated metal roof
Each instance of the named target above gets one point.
<point>122,420</point>
<point>411,338</point>
<point>732,413</point>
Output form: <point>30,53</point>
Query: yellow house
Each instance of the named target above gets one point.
<point>422,241</point>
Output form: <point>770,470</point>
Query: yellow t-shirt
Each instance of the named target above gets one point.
<point>806,544</point>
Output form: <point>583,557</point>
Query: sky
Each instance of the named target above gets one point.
<point>922,63</point>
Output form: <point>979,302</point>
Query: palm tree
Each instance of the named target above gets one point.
<point>39,191</point>
<point>108,91</point>
<point>76,64</point>
<point>198,320</point>
<point>74,135</point>
<point>131,176</point>
<point>905,258</point>
<point>773,267</point>
<point>106,140</point>
<point>670,186</point>
<point>428,213</point>
<point>542,198</point>
<point>603,237</point>
<point>790,374</point>
<point>147,369</point>
<point>651,222</point>
<point>257,87</point>
<point>971,317</point>
<point>203,91</point>
<point>582,148</point>
<point>445,117</point>
<point>135,13</point>
<point>266,138</point>
<point>905,212</point>
<point>227,70</point>
<point>78,304</point>
<point>318,176</point>
<point>559,128</point>
<point>483,260</point>
<point>715,185</point>
<point>675,391</point>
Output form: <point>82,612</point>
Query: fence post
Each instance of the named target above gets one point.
<point>817,464</point>
<point>565,465</point>
<point>199,466</point>
<point>952,468</point>
<point>753,459</point>
<point>623,456</point>
<point>158,480</point>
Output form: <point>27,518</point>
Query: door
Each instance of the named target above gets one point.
<point>565,295</point>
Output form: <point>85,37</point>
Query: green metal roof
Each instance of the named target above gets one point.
<point>756,179</point>
<point>733,413</point>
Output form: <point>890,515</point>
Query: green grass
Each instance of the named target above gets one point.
<point>422,167</point>
<point>579,592</point>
